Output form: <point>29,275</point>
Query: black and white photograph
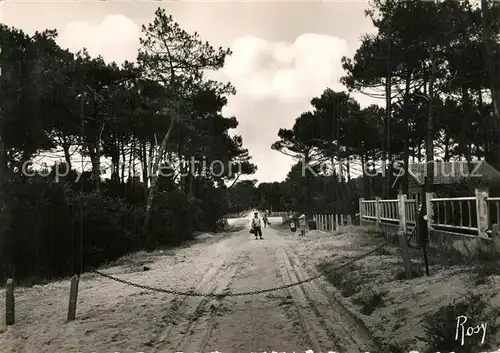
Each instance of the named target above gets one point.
<point>249,176</point>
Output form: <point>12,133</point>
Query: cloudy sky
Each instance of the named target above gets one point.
<point>284,53</point>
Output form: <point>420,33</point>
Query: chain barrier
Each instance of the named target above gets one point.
<point>238,294</point>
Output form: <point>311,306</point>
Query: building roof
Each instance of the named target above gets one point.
<point>446,173</point>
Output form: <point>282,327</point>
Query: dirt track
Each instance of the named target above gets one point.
<point>114,317</point>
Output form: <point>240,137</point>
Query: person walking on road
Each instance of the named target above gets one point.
<point>302,225</point>
<point>256,226</point>
<point>265,219</point>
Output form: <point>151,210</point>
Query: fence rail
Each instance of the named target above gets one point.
<point>455,213</point>
<point>389,210</point>
<point>472,216</point>
<point>330,222</point>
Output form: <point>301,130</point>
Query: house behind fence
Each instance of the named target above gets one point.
<point>464,222</point>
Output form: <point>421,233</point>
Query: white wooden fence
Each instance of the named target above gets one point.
<point>326,222</point>
<point>468,216</point>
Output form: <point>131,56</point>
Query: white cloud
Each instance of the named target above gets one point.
<point>116,38</point>
<point>275,82</point>
<point>283,70</point>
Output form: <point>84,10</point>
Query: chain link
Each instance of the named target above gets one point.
<point>238,294</point>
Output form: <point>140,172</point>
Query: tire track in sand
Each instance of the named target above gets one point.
<point>178,307</point>
<point>346,330</point>
<point>263,322</point>
<point>194,329</point>
<point>309,317</point>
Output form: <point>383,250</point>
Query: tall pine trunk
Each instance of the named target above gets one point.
<point>429,141</point>
<point>492,59</point>
<point>406,135</point>
<point>154,177</point>
<point>387,172</point>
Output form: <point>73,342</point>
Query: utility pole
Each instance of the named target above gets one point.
<point>82,96</point>
<point>332,159</point>
<point>337,138</point>
<point>429,154</point>
<point>387,169</point>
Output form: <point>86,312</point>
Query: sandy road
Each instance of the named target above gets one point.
<point>113,317</point>
<point>295,319</point>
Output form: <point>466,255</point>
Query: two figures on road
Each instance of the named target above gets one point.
<point>296,221</point>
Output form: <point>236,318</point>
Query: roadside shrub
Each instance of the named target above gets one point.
<point>370,301</point>
<point>213,203</point>
<point>487,265</point>
<point>175,217</point>
<point>440,327</point>
<point>6,197</point>
<point>388,347</point>
<point>108,227</point>
<point>50,229</point>
<point>54,231</point>
<point>346,279</point>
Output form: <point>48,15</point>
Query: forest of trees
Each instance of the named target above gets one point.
<point>438,79</point>
<point>145,117</point>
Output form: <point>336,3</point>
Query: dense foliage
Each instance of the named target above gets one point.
<point>157,121</point>
<point>438,79</point>
<point>440,88</point>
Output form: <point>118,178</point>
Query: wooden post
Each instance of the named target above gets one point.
<point>495,237</point>
<point>342,220</point>
<point>428,207</point>
<point>361,204</point>
<point>337,221</point>
<point>402,212</point>
<point>10,309</point>
<point>403,245</point>
<point>73,298</point>
<point>349,220</point>
<point>482,212</point>
<point>377,211</point>
<point>332,226</point>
